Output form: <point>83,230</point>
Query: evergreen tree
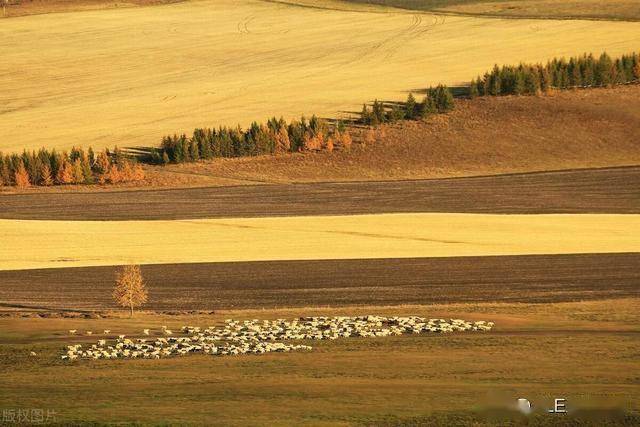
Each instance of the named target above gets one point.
<point>21,177</point>
<point>575,73</point>
<point>87,173</point>
<point>365,115</point>
<point>531,82</point>
<point>474,88</point>
<point>410,107</point>
<point>494,82</point>
<point>377,113</point>
<point>428,105</point>
<point>603,69</point>
<point>45,173</point>
<point>77,171</point>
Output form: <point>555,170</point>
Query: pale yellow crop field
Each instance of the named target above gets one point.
<point>50,244</point>
<point>129,76</point>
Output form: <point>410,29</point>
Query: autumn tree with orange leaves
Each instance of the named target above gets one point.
<point>130,291</point>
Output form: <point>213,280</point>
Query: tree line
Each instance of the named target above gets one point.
<point>578,72</point>
<point>50,167</point>
<point>437,100</point>
<point>276,136</point>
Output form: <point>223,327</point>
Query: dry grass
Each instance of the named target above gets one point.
<point>341,383</point>
<point>170,68</point>
<point>17,8</point>
<point>87,243</point>
<point>566,130</point>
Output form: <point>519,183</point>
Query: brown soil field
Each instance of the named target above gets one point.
<point>214,286</point>
<point>612,190</point>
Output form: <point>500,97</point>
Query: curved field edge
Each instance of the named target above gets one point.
<point>615,10</point>
<point>326,62</point>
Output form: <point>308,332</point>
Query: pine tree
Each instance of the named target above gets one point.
<point>603,70</point>
<point>46,177</point>
<point>78,173</point>
<point>65,172</point>
<point>474,88</point>
<point>365,115</point>
<point>21,176</point>
<point>87,173</point>
<point>378,114</point>
<point>130,291</point>
<point>428,105</point>
<point>545,78</point>
<point>531,82</point>
<point>410,107</point>
<point>494,81</point>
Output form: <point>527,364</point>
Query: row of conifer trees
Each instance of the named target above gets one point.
<point>437,100</point>
<point>50,167</point>
<point>578,72</point>
<point>276,136</point>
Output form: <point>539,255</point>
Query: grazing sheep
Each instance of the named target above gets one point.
<point>145,331</point>
<point>73,331</point>
<point>106,331</point>
<point>89,332</point>
<point>259,337</point>
<point>33,354</point>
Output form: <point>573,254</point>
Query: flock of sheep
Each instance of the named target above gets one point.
<point>259,337</point>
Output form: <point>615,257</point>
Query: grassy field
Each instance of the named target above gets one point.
<point>229,61</point>
<point>50,244</point>
<point>536,351</point>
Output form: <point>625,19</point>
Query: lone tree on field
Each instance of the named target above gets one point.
<point>130,290</point>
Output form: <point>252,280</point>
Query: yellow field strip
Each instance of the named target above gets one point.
<point>129,76</point>
<point>51,244</point>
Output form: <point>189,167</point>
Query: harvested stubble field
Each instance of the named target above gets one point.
<point>228,61</point>
<point>424,379</point>
<point>55,244</point>
<point>273,284</point>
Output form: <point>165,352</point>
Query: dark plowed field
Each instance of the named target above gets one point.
<point>615,190</point>
<point>335,283</point>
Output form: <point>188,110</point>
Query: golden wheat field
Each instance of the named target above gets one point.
<point>87,243</point>
<point>128,76</point>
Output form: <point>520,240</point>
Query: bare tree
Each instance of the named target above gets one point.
<point>130,290</point>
